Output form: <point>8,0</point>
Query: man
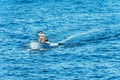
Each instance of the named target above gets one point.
<point>41,37</point>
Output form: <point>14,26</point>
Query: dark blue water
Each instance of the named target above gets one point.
<point>88,29</point>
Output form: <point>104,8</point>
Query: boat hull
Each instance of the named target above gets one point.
<point>37,45</point>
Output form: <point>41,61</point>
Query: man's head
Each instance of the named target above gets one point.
<point>41,32</point>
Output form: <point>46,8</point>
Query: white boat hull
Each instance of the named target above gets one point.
<point>36,45</point>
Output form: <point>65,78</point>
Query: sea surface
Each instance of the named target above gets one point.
<point>89,31</point>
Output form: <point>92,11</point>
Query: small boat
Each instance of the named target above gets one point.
<point>33,45</point>
<point>36,45</point>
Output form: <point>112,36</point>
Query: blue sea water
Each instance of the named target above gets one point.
<point>88,29</point>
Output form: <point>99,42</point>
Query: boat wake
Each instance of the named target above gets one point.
<point>92,35</point>
<point>80,35</point>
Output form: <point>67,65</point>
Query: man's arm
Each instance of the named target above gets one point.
<point>39,38</point>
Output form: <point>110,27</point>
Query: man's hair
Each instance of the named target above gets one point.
<point>40,31</point>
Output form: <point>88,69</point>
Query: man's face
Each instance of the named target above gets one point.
<point>41,32</point>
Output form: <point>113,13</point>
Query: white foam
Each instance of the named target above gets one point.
<point>53,44</point>
<point>79,34</point>
<point>34,45</point>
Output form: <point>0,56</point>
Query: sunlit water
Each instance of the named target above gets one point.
<point>89,31</point>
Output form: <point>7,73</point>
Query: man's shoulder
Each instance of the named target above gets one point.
<point>40,34</point>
